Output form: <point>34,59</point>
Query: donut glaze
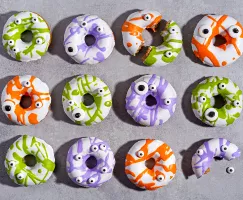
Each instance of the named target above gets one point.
<point>170,48</point>
<point>74,39</point>
<point>23,174</point>
<point>209,88</point>
<point>204,38</point>
<point>151,100</point>
<point>77,156</point>
<point>206,153</point>
<point>163,171</point>
<point>73,97</point>
<point>134,26</point>
<point>21,86</point>
<point>16,47</point>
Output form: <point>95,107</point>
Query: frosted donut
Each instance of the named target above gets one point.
<point>162,172</point>
<point>73,97</point>
<point>19,171</point>
<point>74,39</point>
<point>80,152</point>
<point>170,48</point>
<point>220,148</point>
<point>134,26</point>
<point>210,88</point>
<point>15,44</point>
<point>151,100</point>
<point>30,86</point>
<point>204,37</point>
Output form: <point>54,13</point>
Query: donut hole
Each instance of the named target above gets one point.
<point>25,101</point>
<point>27,36</point>
<point>91,162</point>
<point>151,38</point>
<point>30,160</point>
<point>90,40</point>
<point>150,163</point>
<point>217,101</point>
<point>88,99</point>
<point>219,40</point>
<point>151,100</point>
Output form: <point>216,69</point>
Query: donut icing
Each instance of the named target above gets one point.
<point>26,85</point>
<point>218,147</point>
<point>74,39</point>
<point>205,35</point>
<point>170,48</point>
<point>159,91</point>
<point>16,47</point>
<point>77,169</point>
<point>209,88</point>
<point>163,171</point>
<point>72,100</point>
<point>23,174</point>
<point>134,26</point>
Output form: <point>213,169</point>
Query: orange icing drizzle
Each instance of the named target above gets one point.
<point>133,30</point>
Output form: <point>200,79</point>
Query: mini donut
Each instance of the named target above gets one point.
<point>151,100</point>
<point>206,33</point>
<point>210,88</point>
<point>80,152</point>
<point>163,170</point>
<point>19,171</point>
<point>26,85</point>
<point>12,36</point>
<point>133,28</point>
<point>214,148</point>
<point>73,97</point>
<point>78,49</point>
<point>170,48</point>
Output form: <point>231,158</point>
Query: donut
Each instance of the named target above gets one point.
<point>80,152</point>
<point>164,168</point>
<point>19,171</point>
<point>26,86</point>
<point>214,148</point>
<point>170,48</point>
<point>73,100</point>
<point>14,38</point>
<point>208,90</point>
<point>210,29</point>
<point>151,100</point>
<point>133,28</point>
<point>78,49</point>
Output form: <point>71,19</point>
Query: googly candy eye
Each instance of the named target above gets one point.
<point>20,176</point>
<point>71,49</point>
<point>230,170</point>
<point>141,88</point>
<point>235,31</point>
<point>99,29</point>
<point>224,148</point>
<point>168,54</point>
<point>10,42</point>
<point>167,102</point>
<point>78,114</point>
<point>236,103</point>
<point>152,88</point>
<point>79,180</point>
<point>71,103</point>
<point>94,148</point>
<point>11,163</point>
<point>172,30</point>
<point>83,24</point>
<point>211,114</point>
<point>17,21</point>
<point>140,154</point>
<point>222,86</point>
<point>103,147</point>
<point>78,157</point>
<point>8,107</point>
<point>26,84</point>
<point>101,91</point>
<point>91,180</point>
<point>205,31</point>
<point>147,17</point>
<point>39,41</point>
<point>160,178</point>
<point>202,99</point>
<point>38,104</point>
<point>15,50</point>
<point>34,19</point>
<point>104,170</point>
<point>199,152</point>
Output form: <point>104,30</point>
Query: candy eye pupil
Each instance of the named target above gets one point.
<point>7,108</point>
<point>236,30</point>
<point>205,31</point>
<point>211,114</point>
<point>77,115</point>
<point>141,87</point>
<point>70,49</point>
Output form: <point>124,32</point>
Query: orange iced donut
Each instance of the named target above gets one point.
<point>161,173</point>
<point>26,86</point>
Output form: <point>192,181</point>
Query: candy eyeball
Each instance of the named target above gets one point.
<point>230,170</point>
<point>38,104</point>
<point>101,91</point>
<point>17,21</point>
<point>222,86</point>
<point>34,19</point>
<point>78,157</point>
<point>147,17</point>
<point>99,29</point>
<point>141,88</point>
<point>26,84</point>
<point>78,114</point>
<point>167,102</point>
<point>104,170</point>
<point>205,31</point>
<point>224,148</point>
<point>236,103</point>
<point>152,88</point>
<point>12,163</point>
<point>71,49</point>
<point>94,148</point>
<point>140,154</point>
<point>102,147</point>
<point>173,30</point>
<point>83,24</point>
<point>211,114</point>
<point>70,103</point>
<point>79,180</point>
<point>160,178</point>
<point>199,152</point>
<point>20,176</point>
<point>39,41</point>
<point>8,107</point>
<point>202,99</point>
<point>15,50</point>
<point>168,54</point>
<point>91,180</point>
<point>10,42</point>
<point>235,31</point>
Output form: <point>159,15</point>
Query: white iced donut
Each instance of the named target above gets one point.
<point>74,39</point>
<point>13,36</point>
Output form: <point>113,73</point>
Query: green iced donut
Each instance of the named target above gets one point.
<point>19,171</point>
<point>212,87</point>
<point>73,100</point>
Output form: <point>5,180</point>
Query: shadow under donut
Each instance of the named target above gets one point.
<point>119,170</point>
<point>119,101</point>
<point>186,163</point>
<point>4,146</point>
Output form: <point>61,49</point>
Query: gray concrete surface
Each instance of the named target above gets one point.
<point>183,132</point>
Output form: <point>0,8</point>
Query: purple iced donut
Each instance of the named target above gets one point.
<point>80,152</point>
<point>151,100</point>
